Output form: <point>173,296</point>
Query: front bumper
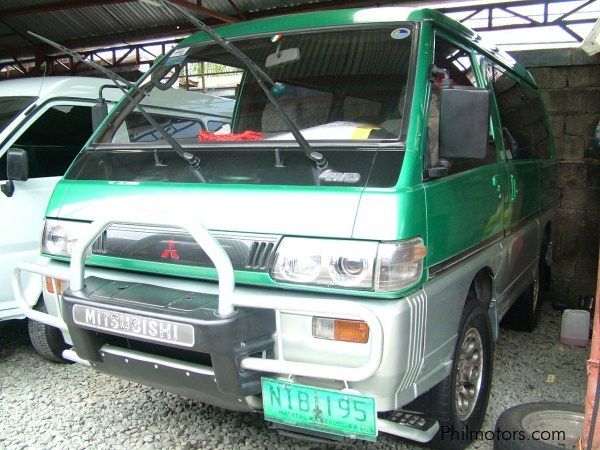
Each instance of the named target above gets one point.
<point>239,337</point>
<point>220,343</point>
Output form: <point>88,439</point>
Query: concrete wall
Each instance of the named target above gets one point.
<point>570,83</point>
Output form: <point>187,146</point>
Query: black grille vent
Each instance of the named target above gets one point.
<point>260,255</point>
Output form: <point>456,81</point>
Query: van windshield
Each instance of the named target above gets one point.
<point>11,107</point>
<point>344,90</point>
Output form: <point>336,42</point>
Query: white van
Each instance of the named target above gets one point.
<point>50,119</point>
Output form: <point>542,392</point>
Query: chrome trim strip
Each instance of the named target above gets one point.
<point>416,346</point>
<point>160,360</point>
<point>176,230</point>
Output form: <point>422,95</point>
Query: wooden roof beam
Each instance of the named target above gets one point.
<point>205,11</point>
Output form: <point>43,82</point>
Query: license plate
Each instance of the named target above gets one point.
<point>319,409</point>
<point>132,325</point>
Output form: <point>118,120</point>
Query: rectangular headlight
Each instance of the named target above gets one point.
<point>325,262</point>
<point>60,236</point>
<point>385,267</point>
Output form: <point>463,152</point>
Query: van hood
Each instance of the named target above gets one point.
<point>281,210</point>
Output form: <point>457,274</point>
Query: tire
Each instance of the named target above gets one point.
<point>545,268</point>
<point>525,313</point>
<point>516,426</point>
<point>457,425</point>
<point>47,341</point>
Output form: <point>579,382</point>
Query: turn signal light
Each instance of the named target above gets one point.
<point>60,285</point>
<point>340,330</point>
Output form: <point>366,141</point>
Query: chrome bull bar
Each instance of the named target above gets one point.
<point>227,299</point>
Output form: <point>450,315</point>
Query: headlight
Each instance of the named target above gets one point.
<point>399,264</point>
<point>388,266</point>
<point>60,236</point>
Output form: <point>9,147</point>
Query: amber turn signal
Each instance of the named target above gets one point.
<point>340,330</point>
<point>60,285</point>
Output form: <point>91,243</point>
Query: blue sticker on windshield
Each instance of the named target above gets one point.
<point>177,57</point>
<point>400,33</point>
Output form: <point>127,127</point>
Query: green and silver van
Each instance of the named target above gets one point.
<point>340,256</point>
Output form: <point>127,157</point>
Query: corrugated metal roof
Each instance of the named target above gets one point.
<point>78,24</point>
<point>90,24</point>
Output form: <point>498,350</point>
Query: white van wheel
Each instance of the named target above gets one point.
<point>46,340</point>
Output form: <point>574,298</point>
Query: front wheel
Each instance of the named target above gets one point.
<point>47,341</point>
<point>459,402</point>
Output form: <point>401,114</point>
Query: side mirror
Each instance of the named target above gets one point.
<point>17,165</point>
<point>17,168</point>
<point>464,122</point>
<point>99,112</point>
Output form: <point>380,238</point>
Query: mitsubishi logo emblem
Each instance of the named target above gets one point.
<point>170,251</point>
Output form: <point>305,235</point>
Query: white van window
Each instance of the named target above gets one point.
<point>53,141</point>
<point>11,107</point>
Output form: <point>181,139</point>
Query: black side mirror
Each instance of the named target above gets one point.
<point>99,112</point>
<point>17,165</point>
<point>17,169</point>
<point>464,122</point>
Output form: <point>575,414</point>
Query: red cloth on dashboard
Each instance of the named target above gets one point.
<point>245,136</point>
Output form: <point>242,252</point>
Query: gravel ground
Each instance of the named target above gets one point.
<point>45,405</point>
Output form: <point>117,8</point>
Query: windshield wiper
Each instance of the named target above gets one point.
<point>260,76</point>
<point>126,86</point>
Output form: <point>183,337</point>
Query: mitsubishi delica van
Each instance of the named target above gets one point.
<point>340,256</point>
<point>44,122</point>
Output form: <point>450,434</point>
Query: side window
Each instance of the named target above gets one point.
<point>457,63</point>
<point>55,138</point>
<point>522,117</point>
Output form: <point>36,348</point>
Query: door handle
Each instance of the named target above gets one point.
<point>497,184</point>
<point>513,188</point>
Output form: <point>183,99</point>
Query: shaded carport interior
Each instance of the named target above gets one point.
<point>124,34</point>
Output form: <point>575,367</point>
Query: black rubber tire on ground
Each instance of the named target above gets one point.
<point>545,269</point>
<point>525,313</point>
<point>47,341</point>
<point>510,423</point>
<point>440,401</point>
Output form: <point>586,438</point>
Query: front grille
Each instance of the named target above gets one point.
<point>175,246</point>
